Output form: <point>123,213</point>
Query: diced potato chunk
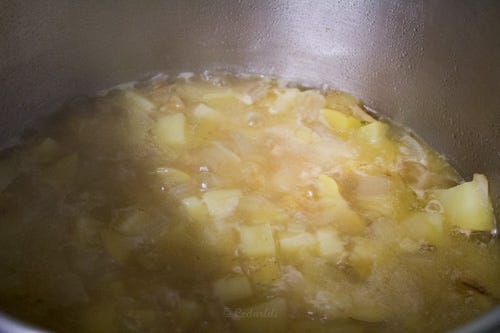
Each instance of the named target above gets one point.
<point>136,102</point>
<point>232,289</point>
<point>340,122</point>
<point>257,240</point>
<point>221,203</point>
<point>330,244</point>
<point>467,206</point>
<point>375,145</point>
<point>328,188</point>
<point>270,316</point>
<point>204,112</point>
<point>170,130</point>
<point>294,242</point>
<point>207,121</point>
<point>374,133</point>
<point>285,101</point>
<point>263,271</point>
<point>425,226</point>
<point>347,104</point>
<point>196,209</point>
<point>346,219</point>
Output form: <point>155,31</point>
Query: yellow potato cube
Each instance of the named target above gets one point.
<point>232,289</point>
<point>328,188</point>
<point>344,218</point>
<point>374,144</point>
<point>339,122</point>
<point>204,112</point>
<point>285,101</point>
<point>347,104</point>
<point>196,209</point>
<point>170,130</point>
<point>257,240</point>
<point>467,206</point>
<point>373,133</point>
<point>263,271</point>
<point>207,121</point>
<point>136,102</point>
<point>221,203</point>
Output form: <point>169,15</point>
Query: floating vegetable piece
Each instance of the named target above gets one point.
<point>257,240</point>
<point>170,130</point>
<point>467,206</point>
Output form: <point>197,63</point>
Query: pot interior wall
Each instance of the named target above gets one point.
<point>433,66</point>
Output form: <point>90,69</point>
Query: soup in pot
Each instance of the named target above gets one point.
<point>239,204</point>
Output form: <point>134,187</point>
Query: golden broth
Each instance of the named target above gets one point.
<point>239,204</point>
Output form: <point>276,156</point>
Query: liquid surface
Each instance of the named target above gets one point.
<point>239,205</point>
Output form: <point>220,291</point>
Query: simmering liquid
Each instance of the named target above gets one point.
<point>238,204</point>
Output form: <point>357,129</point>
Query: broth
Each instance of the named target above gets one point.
<point>239,204</point>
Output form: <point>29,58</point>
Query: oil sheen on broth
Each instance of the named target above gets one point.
<point>239,204</point>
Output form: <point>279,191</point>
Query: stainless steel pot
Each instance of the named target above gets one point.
<point>431,65</point>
